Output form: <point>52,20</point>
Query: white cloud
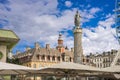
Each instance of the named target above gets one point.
<point>101,38</point>
<point>33,20</point>
<point>94,10</point>
<point>88,14</point>
<point>68,3</point>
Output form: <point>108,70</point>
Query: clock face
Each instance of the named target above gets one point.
<point>1,55</point>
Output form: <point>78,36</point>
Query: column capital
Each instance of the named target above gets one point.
<point>77,30</point>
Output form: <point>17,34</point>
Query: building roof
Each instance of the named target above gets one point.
<point>8,34</point>
<point>34,52</point>
<point>8,37</point>
<point>104,54</point>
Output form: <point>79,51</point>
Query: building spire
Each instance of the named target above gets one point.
<point>60,46</point>
<point>60,36</point>
<point>60,40</point>
<point>77,19</point>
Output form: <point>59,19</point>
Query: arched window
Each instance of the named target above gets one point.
<point>63,57</point>
<point>43,57</point>
<point>29,65</point>
<point>53,58</point>
<point>70,59</point>
<point>58,58</point>
<point>48,58</point>
<point>38,57</point>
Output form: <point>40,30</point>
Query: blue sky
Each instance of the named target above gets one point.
<point>42,20</point>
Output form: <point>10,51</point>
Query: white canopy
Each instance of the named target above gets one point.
<point>9,69</point>
<point>112,69</point>
<point>75,66</point>
<point>71,69</point>
<point>115,66</point>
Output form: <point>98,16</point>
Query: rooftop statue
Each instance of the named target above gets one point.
<point>77,19</point>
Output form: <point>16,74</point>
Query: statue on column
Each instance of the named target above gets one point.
<point>77,19</point>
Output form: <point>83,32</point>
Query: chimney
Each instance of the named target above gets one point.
<point>72,49</point>
<point>18,52</point>
<point>27,48</point>
<point>47,46</point>
<point>37,46</point>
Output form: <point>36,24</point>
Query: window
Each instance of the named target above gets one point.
<point>98,65</point>
<point>100,59</point>
<point>43,57</point>
<point>29,65</point>
<point>83,60</point>
<point>53,58</point>
<point>48,58</point>
<point>70,59</point>
<point>58,58</point>
<point>63,57</point>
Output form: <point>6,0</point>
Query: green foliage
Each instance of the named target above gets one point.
<point>14,61</point>
<point>7,77</point>
<point>1,55</point>
<point>50,78</point>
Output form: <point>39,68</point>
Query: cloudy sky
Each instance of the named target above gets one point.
<point>42,20</point>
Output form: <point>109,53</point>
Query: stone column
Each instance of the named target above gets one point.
<point>55,58</point>
<point>78,51</point>
<point>61,59</point>
<point>45,58</point>
<point>51,58</point>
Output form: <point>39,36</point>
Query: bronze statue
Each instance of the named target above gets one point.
<point>77,19</point>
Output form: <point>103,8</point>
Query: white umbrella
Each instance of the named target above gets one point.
<point>112,69</point>
<point>71,69</point>
<point>9,69</point>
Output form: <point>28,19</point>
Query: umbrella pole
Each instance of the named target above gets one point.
<point>34,77</point>
<point>67,77</point>
<point>23,78</point>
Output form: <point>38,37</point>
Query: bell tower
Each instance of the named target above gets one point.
<point>60,46</point>
<point>78,51</point>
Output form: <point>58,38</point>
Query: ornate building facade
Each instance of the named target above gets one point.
<point>102,60</point>
<point>42,57</point>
